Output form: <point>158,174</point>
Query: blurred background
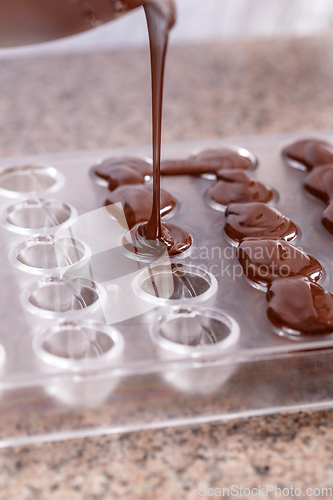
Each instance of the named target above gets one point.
<point>234,67</point>
<point>204,20</point>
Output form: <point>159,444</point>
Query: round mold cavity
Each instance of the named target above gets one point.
<point>295,240</point>
<point>196,333</point>
<point>84,348</point>
<point>290,162</point>
<point>78,345</point>
<point>51,297</point>
<point>165,216</point>
<point>33,215</point>
<point>298,336</point>
<point>175,283</point>
<point>222,208</point>
<point>103,182</point>
<point>42,254</point>
<point>236,149</point>
<point>28,180</point>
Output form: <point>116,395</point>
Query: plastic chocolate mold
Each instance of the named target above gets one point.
<point>29,180</point>
<point>53,297</point>
<point>30,216</point>
<point>84,348</point>
<point>41,254</point>
<point>157,378</point>
<point>176,283</point>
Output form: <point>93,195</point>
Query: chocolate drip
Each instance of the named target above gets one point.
<point>319,182</point>
<point>209,161</point>
<point>123,170</point>
<point>265,260</point>
<point>237,186</point>
<point>245,220</point>
<point>309,153</point>
<point>153,234</point>
<point>300,305</point>
<point>136,201</point>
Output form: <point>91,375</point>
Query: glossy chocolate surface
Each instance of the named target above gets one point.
<point>209,161</point>
<point>265,260</point>
<point>123,170</point>
<point>175,240</point>
<point>300,305</point>
<point>319,182</point>
<point>257,220</point>
<point>237,186</point>
<point>137,201</point>
<point>309,153</point>
<point>327,217</point>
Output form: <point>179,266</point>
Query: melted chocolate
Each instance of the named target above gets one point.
<point>265,260</point>
<point>136,201</point>
<point>209,161</point>
<point>152,234</point>
<point>327,217</point>
<point>24,22</point>
<point>237,186</point>
<point>309,153</point>
<point>123,170</point>
<point>245,220</point>
<point>176,240</point>
<point>319,182</point>
<point>300,305</point>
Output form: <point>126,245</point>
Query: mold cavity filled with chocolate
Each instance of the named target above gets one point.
<point>265,260</point>
<point>237,186</point>
<point>115,172</point>
<point>210,161</point>
<point>298,307</point>
<point>307,154</point>
<point>136,201</point>
<point>245,220</point>
<point>319,183</point>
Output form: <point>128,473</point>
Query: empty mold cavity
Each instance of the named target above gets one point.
<point>85,348</point>
<point>53,297</point>
<point>25,180</point>
<point>29,216</point>
<point>45,254</point>
<point>175,283</point>
<point>196,333</point>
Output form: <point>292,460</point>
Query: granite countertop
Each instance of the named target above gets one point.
<point>102,100</point>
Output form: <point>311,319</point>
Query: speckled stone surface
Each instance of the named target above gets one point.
<point>102,100</point>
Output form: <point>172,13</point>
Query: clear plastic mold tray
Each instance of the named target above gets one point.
<point>65,373</point>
